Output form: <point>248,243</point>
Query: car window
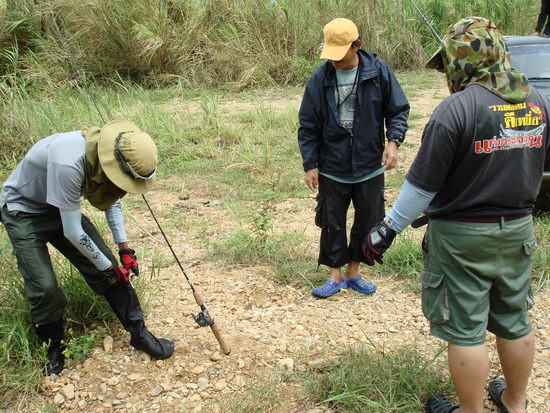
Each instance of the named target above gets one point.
<point>533,60</point>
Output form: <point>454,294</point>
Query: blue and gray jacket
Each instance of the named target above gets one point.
<point>326,145</point>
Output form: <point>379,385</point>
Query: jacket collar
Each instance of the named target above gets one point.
<point>367,68</point>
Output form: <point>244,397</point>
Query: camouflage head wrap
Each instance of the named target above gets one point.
<point>474,52</point>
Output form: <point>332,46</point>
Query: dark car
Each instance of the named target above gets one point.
<point>531,55</point>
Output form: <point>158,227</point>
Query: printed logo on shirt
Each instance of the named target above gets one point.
<point>512,133</point>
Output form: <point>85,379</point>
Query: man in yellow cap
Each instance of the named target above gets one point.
<point>347,102</point>
<point>40,204</point>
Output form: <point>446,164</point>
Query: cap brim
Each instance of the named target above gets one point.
<point>335,53</point>
<point>436,62</point>
<point>110,165</point>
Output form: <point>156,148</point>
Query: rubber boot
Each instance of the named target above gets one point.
<point>125,304</point>
<point>52,334</point>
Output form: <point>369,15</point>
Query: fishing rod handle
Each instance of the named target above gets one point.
<point>225,348</point>
<point>198,298</point>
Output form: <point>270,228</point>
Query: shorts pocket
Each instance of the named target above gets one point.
<point>530,246</point>
<point>321,211</point>
<point>435,299</point>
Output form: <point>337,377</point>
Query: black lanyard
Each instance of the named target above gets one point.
<point>353,88</point>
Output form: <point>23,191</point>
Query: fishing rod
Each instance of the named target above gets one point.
<point>203,318</point>
<point>428,22</point>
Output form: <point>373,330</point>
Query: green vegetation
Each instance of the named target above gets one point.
<point>21,359</point>
<point>187,71</point>
<point>78,345</point>
<point>370,379</point>
<point>260,245</point>
<point>541,258</point>
<point>241,43</point>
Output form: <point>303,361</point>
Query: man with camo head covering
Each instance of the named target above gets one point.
<point>476,177</point>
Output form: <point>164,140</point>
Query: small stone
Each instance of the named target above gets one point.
<point>159,363</point>
<point>204,395</point>
<point>145,357</point>
<point>134,377</point>
<point>184,196</point>
<point>156,391</point>
<point>122,395</point>
<point>196,398</point>
<point>239,380</point>
<point>216,356</point>
<point>241,364</point>
<point>108,344</point>
<point>59,398</point>
<point>88,366</point>
<point>287,363</point>
<point>68,391</point>
<point>113,381</point>
<point>82,403</point>
<point>192,386</point>
<point>220,385</point>
<point>198,370</point>
<point>103,388</point>
<point>169,321</point>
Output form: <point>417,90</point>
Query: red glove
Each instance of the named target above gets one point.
<point>129,260</point>
<point>116,275</point>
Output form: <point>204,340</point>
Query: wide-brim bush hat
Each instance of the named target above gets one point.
<point>128,156</point>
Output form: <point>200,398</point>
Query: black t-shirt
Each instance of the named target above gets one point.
<point>483,155</point>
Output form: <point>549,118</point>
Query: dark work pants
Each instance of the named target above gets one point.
<point>29,234</point>
<point>544,17</point>
<point>333,202</point>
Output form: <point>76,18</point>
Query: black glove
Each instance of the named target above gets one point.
<point>116,275</point>
<point>378,241</point>
<point>129,260</point>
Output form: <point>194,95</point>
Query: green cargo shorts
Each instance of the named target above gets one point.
<point>477,277</point>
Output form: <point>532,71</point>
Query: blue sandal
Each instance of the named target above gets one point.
<point>360,285</point>
<point>327,289</point>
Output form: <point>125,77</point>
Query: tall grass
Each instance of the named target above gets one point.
<point>52,43</point>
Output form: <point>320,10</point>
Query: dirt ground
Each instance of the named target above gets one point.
<point>270,328</point>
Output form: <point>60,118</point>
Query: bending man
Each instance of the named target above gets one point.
<point>40,204</point>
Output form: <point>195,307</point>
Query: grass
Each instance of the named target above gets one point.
<point>541,258</point>
<point>22,359</point>
<point>57,44</point>
<point>370,379</point>
<point>261,245</point>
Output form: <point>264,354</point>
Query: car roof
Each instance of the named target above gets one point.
<point>526,40</point>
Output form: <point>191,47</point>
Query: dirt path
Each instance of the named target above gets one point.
<point>271,328</point>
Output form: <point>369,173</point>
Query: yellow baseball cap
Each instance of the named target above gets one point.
<point>339,34</point>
